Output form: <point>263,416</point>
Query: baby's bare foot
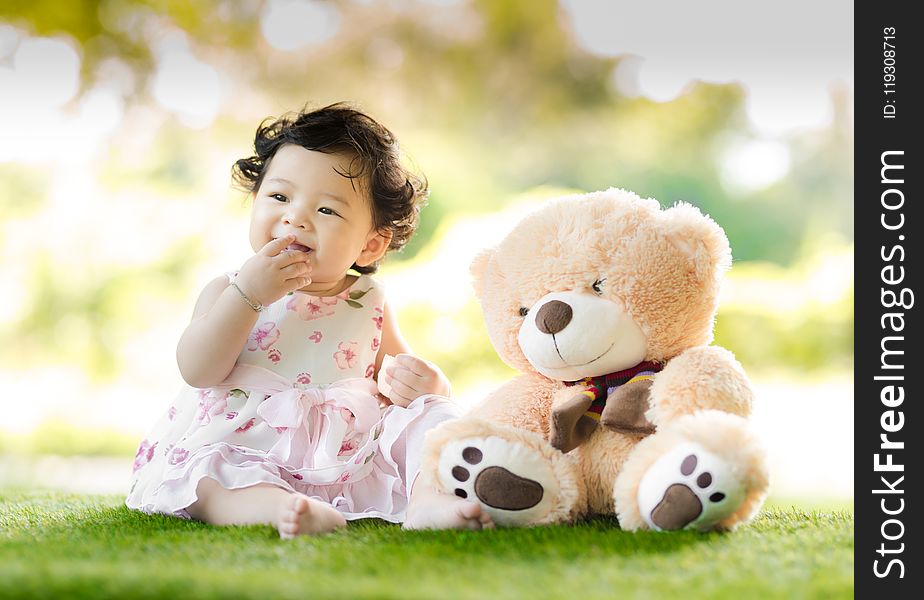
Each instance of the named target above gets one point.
<point>301,515</point>
<point>442,511</point>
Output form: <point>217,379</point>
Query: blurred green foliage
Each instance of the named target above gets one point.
<point>61,438</point>
<point>23,191</point>
<point>490,98</point>
<point>86,325</point>
<point>818,339</point>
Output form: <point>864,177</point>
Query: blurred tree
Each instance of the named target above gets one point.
<point>514,99</point>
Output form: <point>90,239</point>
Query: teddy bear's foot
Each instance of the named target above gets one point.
<point>689,487</point>
<point>517,481</point>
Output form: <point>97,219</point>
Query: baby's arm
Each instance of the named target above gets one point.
<point>409,376</point>
<point>222,319</point>
<point>216,334</point>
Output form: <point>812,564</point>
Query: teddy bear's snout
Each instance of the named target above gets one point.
<point>553,316</point>
<point>573,334</point>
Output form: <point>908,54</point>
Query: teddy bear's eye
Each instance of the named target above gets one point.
<point>598,285</point>
<point>524,311</point>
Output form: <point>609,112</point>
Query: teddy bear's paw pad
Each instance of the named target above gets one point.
<point>689,487</point>
<point>512,481</point>
<point>499,488</point>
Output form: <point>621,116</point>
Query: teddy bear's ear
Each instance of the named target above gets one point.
<point>698,237</point>
<point>479,268</point>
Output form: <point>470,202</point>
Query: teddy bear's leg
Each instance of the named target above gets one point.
<point>516,475</point>
<point>703,471</point>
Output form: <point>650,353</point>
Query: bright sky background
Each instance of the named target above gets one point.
<point>787,53</point>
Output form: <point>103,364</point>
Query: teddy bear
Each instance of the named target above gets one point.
<point>605,304</point>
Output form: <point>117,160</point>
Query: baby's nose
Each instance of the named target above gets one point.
<point>295,219</point>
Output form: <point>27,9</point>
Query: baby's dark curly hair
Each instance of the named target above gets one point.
<point>397,194</point>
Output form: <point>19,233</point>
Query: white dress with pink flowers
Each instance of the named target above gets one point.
<point>298,411</point>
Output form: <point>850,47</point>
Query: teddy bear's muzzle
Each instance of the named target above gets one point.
<point>575,335</point>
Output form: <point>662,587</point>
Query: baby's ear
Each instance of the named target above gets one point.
<point>479,269</point>
<point>698,237</point>
<point>376,246</point>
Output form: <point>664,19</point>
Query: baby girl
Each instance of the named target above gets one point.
<point>281,422</point>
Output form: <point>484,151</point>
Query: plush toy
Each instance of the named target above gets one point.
<point>606,304</point>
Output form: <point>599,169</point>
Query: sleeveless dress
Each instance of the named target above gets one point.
<point>298,411</point>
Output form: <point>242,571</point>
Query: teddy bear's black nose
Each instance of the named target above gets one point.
<point>553,317</point>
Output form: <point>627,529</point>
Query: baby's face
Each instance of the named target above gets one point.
<point>303,194</point>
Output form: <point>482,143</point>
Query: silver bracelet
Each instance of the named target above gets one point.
<point>254,305</point>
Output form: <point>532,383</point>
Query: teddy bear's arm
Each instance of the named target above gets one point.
<point>522,402</point>
<point>626,406</point>
<point>702,377</point>
<point>570,426</point>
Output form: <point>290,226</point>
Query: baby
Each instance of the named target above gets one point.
<point>281,422</point>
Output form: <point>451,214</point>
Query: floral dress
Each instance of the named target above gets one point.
<point>298,411</point>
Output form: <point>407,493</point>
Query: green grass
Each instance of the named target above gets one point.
<point>61,545</point>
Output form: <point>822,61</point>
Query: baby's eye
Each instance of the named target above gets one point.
<point>327,211</point>
<point>279,197</point>
<point>598,286</point>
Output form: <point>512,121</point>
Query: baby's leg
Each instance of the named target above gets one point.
<point>429,509</point>
<point>292,514</point>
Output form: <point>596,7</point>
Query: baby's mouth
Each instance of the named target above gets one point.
<point>296,247</point>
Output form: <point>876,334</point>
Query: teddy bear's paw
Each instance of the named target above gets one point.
<point>689,488</point>
<point>513,482</point>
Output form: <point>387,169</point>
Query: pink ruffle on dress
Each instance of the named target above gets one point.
<point>331,441</point>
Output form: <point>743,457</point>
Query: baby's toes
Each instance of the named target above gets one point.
<point>298,506</point>
<point>470,510</point>
<point>288,529</point>
<point>472,524</point>
<point>290,517</point>
<point>486,521</point>
<point>474,516</point>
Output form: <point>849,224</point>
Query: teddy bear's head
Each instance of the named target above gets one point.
<point>596,283</point>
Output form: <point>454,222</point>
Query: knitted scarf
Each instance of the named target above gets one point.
<point>599,388</point>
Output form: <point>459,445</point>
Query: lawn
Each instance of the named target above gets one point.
<point>75,546</point>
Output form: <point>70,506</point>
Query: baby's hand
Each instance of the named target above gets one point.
<point>410,377</point>
<point>271,273</point>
